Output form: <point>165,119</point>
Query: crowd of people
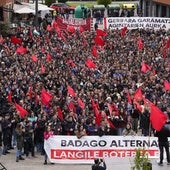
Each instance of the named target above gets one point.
<point>53,63</point>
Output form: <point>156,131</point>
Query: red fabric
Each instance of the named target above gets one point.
<point>71,91</point>
<point>157,118</point>
<point>138,106</point>
<point>47,135</point>
<point>71,106</point>
<point>112,107</point>
<point>123,31</point>
<point>49,28</point>
<point>71,29</point>
<point>21,110</point>
<point>34,58</point>
<point>99,41</point>
<point>96,112</point>
<point>45,97</point>
<point>1,39</point>
<point>48,57</point>
<point>16,40</point>
<point>166,85</point>
<point>90,64</point>
<point>110,123</point>
<point>42,69</point>
<point>138,94</point>
<point>81,103</point>
<point>145,68</point>
<point>94,51</point>
<point>140,43</point>
<point>9,97</point>
<point>81,29</point>
<point>100,32</point>
<point>129,99</point>
<point>71,63</point>
<point>21,50</point>
<point>168,43</point>
<point>59,113</point>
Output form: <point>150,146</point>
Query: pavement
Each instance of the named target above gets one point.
<point>9,162</point>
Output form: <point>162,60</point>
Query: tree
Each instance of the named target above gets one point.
<point>5,29</point>
<point>49,2</point>
<point>62,1</point>
<point>104,2</point>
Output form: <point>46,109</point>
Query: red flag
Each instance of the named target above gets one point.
<point>138,106</point>
<point>45,97</point>
<point>16,40</point>
<point>48,57</point>
<point>21,50</point>
<point>42,69</point>
<point>21,110</point>
<point>34,58</point>
<point>71,91</point>
<point>59,113</point>
<point>81,29</point>
<point>166,85</point>
<point>71,106</point>
<point>112,107</point>
<point>9,97</point>
<point>168,43</point>
<point>1,39</point>
<point>89,63</point>
<point>140,43</point>
<point>129,99</point>
<point>123,31</point>
<point>96,112</point>
<point>81,103</point>
<point>48,28</point>
<point>101,32</point>
<point>138,94</point>
<point>110,123</point>
<point>42,49</point>
<point>71,29</point>
<point>99,41</point>
<point>94,51</point>
<point>157,118</point>
<point>145,68</point>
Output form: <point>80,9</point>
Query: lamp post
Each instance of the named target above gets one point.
<point>36,14</point>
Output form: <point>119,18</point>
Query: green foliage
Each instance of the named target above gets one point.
<point>104,2</point>
<point>141,161</point>
<point>5,29</point>
<point>63,1</point>
<point>49,2</point>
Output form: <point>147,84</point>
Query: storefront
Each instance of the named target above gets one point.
<point>155,8</point>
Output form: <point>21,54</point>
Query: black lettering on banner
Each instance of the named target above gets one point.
<point>113,144</point>
<point>93,143</point>
<point>138,143</point>
<point>154,144</point>
<point>78,143</point>
<point>85,144</point>
<point>63,142</point>
<point>102,143</point>
<point>132,143</point>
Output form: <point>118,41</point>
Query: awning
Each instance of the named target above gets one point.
<point>27,8</point>
<point>22,9</point>
<point>41,7</point>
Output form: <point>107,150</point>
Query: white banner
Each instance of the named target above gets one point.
<point>70,149</point>
<point>138,22</point>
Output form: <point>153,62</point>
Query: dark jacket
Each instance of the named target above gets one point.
<point>99,167</point>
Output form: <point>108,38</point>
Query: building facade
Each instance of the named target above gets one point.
<point>155,8</point>
<point>6,9</point>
